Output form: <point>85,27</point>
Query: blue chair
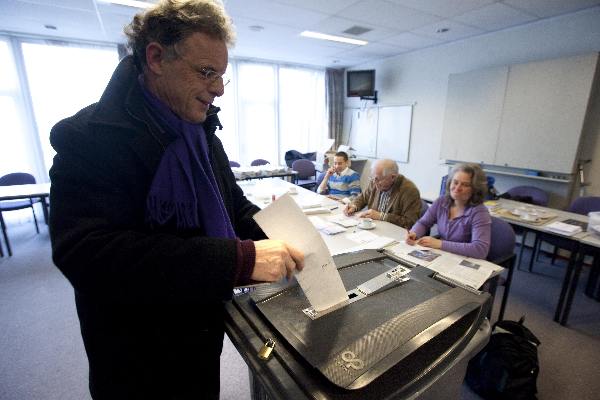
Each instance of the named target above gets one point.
<point>16,178</point>
<point>529,194</point>
<point>424,208</point>
<point>320,180</point>
<point>234,164</point>
<point>307,174</point>
<point>258,161</point>
<point>502,252</point>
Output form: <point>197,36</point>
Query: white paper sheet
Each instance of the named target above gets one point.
<point>378,243</point>
<point>319,279</point>
<point>344,221</point>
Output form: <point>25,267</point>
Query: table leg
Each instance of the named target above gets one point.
<point>534,251</point>
<point>593,278</point>
<point>523,239</point>
<point>44,208</point>
<point>3,226</point>
<point>565,285</point>
<point>573,286</point>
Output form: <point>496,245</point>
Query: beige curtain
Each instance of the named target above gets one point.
<point>334,81</point>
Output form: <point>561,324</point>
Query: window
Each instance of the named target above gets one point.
<point>279,108</point>
<point>302,110</point>
<point>62,80</point>
<point>16,154</point>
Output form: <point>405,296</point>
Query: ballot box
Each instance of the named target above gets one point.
<point>411,339</point>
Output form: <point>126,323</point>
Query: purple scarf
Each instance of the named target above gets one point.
<point>184,186</point>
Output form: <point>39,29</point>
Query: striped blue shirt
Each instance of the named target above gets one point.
<point>345,184</point>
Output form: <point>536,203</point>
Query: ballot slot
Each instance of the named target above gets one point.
<point>384,281</point>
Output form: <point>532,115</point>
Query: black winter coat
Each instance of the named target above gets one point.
<point>150,301</point>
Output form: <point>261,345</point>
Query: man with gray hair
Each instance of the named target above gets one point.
<point>389,197</point>
<point>148,223</point>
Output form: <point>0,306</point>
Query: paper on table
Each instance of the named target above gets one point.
<point>319,279</point>
<point>377,243</point>
<point>344,221</point>
<point>467,271</point>
<point>414,254</point>
<point>317,210</point>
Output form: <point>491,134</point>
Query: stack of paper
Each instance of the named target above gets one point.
<point>416,254</point>
<point>367,240</point>
<point>326,227</point>
<point>344,221</point>
<point>563,229</point>
<point>460,270</point>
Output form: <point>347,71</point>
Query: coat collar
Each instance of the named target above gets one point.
<point>122,106</point>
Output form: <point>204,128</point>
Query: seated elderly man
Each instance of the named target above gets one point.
<point>339,180</point>
<point>390,196</point>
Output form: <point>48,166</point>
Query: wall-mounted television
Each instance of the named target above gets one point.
<point>360,83</point>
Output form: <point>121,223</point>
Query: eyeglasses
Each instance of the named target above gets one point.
<point>211,75</point>
<point>207,73</point>
<point>378,179</point>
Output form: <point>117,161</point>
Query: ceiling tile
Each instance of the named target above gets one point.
<point>387,14</point>
<point>337,26</point>
<point>549,8</point>
<point>23,17</point>
<point>282,14</point>
<point>456,31</point>
<point>494,17</point>
<point>322,6</point>
<point>444,8</point>
<point>411,40</point>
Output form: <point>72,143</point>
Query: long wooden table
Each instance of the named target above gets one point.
<point>583,243</point>
<point>19,192</point>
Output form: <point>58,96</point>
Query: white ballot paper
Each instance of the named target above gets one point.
<point>320,279</point>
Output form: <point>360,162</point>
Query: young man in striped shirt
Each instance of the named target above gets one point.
<point>340,181</point>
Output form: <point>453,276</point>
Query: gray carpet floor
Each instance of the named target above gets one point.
<point>42,355</point>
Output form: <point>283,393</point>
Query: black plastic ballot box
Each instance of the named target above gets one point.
<point>411,340</point>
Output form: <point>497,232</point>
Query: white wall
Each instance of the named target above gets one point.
<point>422,77</point>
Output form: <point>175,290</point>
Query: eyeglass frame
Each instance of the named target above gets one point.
<point>206,73</point>
<point>378,179</point>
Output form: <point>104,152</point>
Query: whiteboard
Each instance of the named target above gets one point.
<point>363,131</point>
<point>380,132</point>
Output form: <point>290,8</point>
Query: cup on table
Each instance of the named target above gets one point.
<point>293,190</point>
<point>366,223</point>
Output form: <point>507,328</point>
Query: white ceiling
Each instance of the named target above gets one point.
<point>397,26</point>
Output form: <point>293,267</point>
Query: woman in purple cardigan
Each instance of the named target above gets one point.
<point>463,222</point>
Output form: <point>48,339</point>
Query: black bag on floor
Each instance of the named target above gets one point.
<point>507,368</point>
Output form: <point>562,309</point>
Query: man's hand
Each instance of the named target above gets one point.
<point>411,238</point>
<point>274,260</point>
<point>330,172</point>
<point>349,210</point>
<point>431,242</point>
<point>370,213</point>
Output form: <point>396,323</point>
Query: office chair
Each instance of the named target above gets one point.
<point>502,252</point>
<point>306,173</point>
<point>234,164</point>
<point>531,195</point>
<point>259,161</point>
<point>16,178</point>
<point>320,178</point>
<point>424,208</point>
